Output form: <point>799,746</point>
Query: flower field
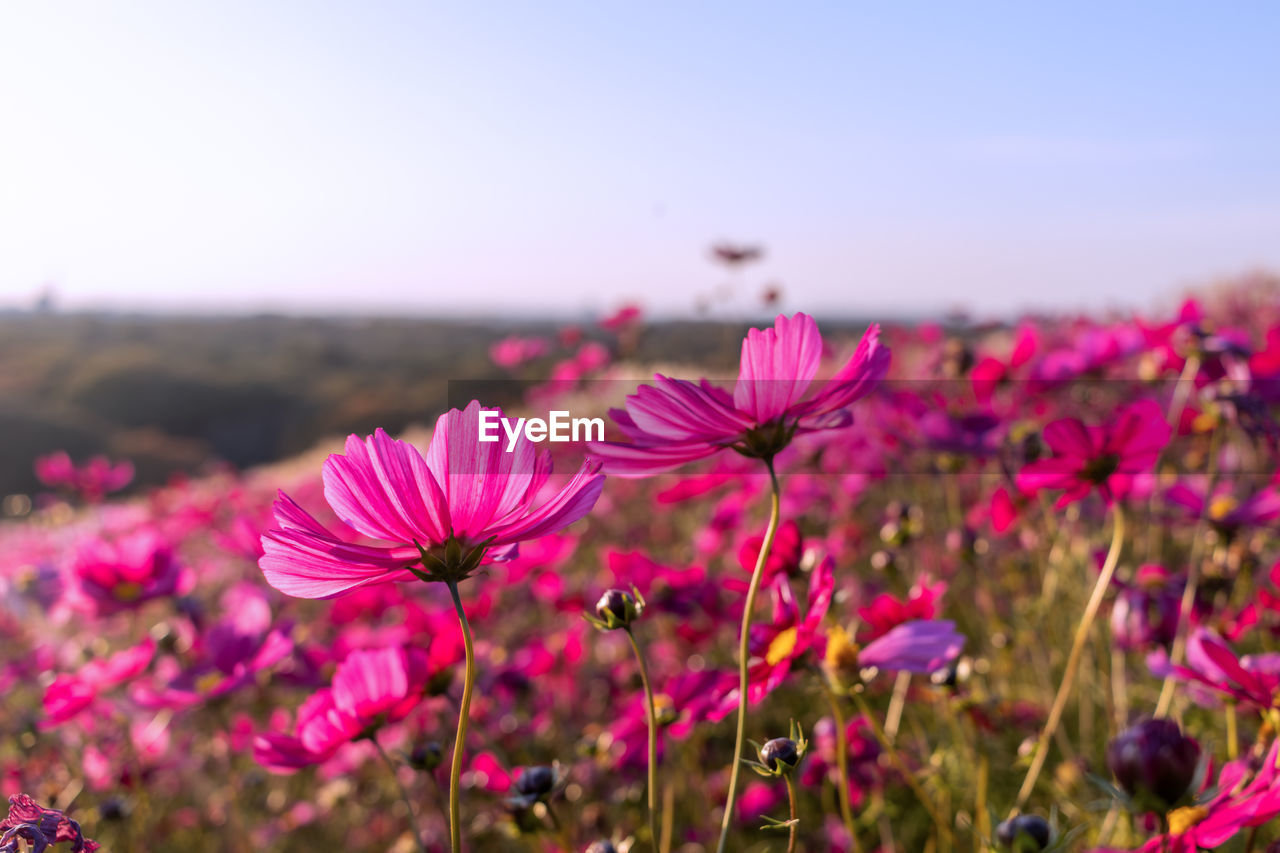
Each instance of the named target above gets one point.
<point>1004,588</point>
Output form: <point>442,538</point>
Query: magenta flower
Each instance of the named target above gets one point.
<point>112,576</point>
<point>676,421</point>
<point>1254,681</point>
<point>70,694</point>
<point>885,612</point>
<point>370,689</point>
<point>227,656</point>
<point>514,351</point>
<point>91,481</point>
<point>921,646</point>
<point>1108,458</point>
<point>1221,508</point>
<point>467,503</point>
<point>776,646</point>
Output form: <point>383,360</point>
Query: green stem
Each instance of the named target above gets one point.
<point>1233,736</point>
<point>562,831</point>
<point>1073,660</point>
<point>744,651</point>
<point>842,763</point>
<point>795,823</point>
<point>464,713</point>
<point>404,794</point>
<point>653,739</point>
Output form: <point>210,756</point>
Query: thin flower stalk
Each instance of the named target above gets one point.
<point>744,652</point>
<point>652,713</point>
<point>464,716</point>
<point>1073,659</point>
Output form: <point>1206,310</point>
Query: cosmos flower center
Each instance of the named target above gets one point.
<point>1221,506</point>
<point>208,681</point>
<point>781,647</point>
<point>127,591</point>
<point>1180,820</point>
<point>452,561</point>
<point>842,652</point>
<point>1098,470</point>
<point>664,709</point>
<point>766,440</point>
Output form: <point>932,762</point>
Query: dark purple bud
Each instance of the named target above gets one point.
<point>112,808</point>
<point>536,781</point>
<point>1026,833</point>
<point>602,846</point>
<point>426,756</point>
<point>780,750</point>
<point>1154,762</point>
<point>617,608</point>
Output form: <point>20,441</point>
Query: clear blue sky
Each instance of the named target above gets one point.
<point>556,157</point>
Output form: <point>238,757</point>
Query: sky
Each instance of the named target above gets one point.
<point>556,158</point>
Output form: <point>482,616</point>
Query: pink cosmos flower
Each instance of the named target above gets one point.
<point>1108,458</point>
<point>627,315</point>
<point>515,351</point>
<point>684,702</point>
<point>370,688</point>
<point>1253,680</point>
<point>227,656</point>
<point>676,421</point>
<point>920,646</point>
<point>990,371</point>
<point>1221,508</point>
<point>97,477</point>
<point>776,646</point>
<point>113,576</point>
<point>885,612</point>
<point>465,504</point>
<point>70,694</point>
<point>1146,611</point>
<point>784,557</point>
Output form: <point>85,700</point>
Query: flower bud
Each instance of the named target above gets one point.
<point>1154,763</point>
<point>780,751</point>
<point>1026,833</point>
<point>617,609</point>
<point>426,756</point>
<point>536,781</point>
<point>601,846</point>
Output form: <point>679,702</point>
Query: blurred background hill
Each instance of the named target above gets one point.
<point>174,394</point>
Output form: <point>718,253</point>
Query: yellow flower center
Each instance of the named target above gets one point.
<point>208,681</point>
<point>1221,505</point>
<point>842,652</point>
<point>1180,820</point>
<point>781,647</point>
<point>127,591</point>
<point>664,709</point>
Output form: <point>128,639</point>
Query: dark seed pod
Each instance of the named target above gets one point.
<point>1154,762</point>
<point>780,750</point>
<point>1026,833</point>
